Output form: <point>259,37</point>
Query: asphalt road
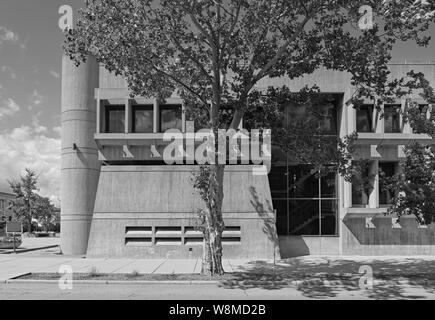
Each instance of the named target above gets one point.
<point>210,291</point>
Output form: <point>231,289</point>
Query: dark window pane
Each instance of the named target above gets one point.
<point>391,119</point>
<point>278,156</point>
<point>281,216</point>
<point>142,118</point>
<point>278,181</point>
<point>329,217</point>
<point>359,198</point>
<point>303,182</point>
<point>359,195</point>
<point>328,183</point>
<point>294,114</point>
<point>328,121</point>
<point>115,118</point>
<point>170,117</point>
<point>304,217</point>
<point>364,116</point>
<point>386,170</point>
<point>325,116</point>
<point>423,108</point>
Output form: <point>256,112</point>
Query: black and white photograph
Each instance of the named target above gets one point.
<point>217,158</point>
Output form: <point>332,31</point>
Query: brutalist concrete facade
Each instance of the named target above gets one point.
<point>118,199</point>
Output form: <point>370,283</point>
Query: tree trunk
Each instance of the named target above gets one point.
<point>212,254</point>
<point>207,267</point>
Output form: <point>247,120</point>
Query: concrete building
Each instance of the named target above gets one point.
<point>119,198</point>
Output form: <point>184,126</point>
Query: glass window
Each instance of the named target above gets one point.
<point>359,198</point>
<point>115,118</point>
<point>142,118</point>
<point>309,205</point>
<point>325,115</point>
<point>281,216</point>
<point>392,119</point>
<point>386,171</point>
<point>303,182</point>
<point>278,182</point>
<point>304,217</point>
<point>170,117</point>
<point>328,121</point>
<point>328,181</point>
<point>306,201</point>
<point>364,116</point>
<point>2,205</point>
<point>359,195</point>
<point>423,109</point>
<point>329,211</point>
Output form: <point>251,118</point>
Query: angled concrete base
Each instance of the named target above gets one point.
<point>151,212</point>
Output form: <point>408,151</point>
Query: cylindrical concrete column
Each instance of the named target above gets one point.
<point>80,166</point>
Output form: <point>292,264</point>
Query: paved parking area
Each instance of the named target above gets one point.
<point>35,244</point>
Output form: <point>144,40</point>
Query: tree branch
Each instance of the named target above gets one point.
<point>263,72</point>
<point>198,64</point>
<point>230,32</point>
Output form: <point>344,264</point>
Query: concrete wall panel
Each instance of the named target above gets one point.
<point>163,196</point>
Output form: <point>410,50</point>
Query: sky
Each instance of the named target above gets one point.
<point>30,88</point>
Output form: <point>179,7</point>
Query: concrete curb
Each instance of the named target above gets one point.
<point>205,282</point>
<point>31,249</point>
<point>188,282</point>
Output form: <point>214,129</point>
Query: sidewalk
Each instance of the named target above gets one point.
<point>32,244</point>
<point>295,268</point>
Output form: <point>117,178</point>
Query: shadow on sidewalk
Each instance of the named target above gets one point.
<point>322,278</point>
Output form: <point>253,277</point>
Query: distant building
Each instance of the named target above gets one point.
<point>6,214</point>
<point>119,198</point>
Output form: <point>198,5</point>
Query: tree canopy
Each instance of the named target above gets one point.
<point>214,52</point>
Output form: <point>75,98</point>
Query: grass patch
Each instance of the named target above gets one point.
<point>135,276</point>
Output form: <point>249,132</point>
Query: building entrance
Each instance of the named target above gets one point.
<point>305,200</point>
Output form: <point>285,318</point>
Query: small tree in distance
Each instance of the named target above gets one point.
<point>45,212</point>
<point>25,204</point>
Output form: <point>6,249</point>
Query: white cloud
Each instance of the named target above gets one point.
<point>29,147</point>
<point>37,127</point>
<point>8,108</point>
<point>35,99</point>
<point>7,35</point>
<point>55,74</point>
<point>57,129</point>
<point>10,71</point>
